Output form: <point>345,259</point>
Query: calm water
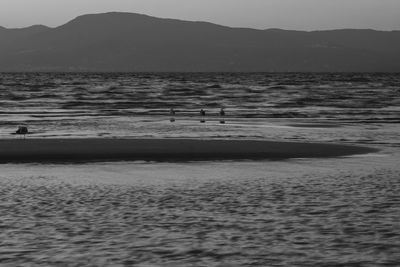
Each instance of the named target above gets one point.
<point>299,212</point>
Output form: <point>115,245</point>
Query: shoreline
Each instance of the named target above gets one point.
<point>164,150</point>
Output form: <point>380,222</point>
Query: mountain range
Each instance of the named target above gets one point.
<point>134,42</point>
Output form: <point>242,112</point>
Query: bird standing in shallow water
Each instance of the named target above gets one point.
<point>172,114</point>
<point>22,130</point>
<point>203,115</point>
<point>222,116</point>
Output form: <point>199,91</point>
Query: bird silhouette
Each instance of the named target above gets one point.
<point>22,130</point>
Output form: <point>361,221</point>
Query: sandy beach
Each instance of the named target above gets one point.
<point>88,150</point>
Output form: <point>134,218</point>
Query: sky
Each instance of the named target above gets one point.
<point>260,14</point>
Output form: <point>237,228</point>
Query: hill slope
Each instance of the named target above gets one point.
<point>133,42</point>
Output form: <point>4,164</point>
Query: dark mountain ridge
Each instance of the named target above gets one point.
<point>134,42</point>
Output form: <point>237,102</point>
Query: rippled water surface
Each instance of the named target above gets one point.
<point>129,104</point>
<point>298,212</point>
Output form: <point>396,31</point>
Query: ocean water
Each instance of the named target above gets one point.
<point>299,212</point>
<point>109,105</point>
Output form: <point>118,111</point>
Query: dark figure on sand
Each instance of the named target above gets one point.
<point>172,113</point>
<point>203,115</point>
<point>22,130</point>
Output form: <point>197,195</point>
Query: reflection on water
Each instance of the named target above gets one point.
<point>293,213</point>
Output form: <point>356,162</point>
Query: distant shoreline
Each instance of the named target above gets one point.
<point>122,41</point>
<point>164,150</point>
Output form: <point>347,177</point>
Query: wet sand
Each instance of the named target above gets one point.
<point>169,150</point>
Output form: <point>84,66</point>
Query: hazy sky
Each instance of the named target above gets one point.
<point>286,14</point>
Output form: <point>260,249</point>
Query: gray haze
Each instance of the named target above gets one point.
<point>261,14</point>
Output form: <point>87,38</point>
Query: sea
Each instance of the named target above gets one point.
<point>342,211</point>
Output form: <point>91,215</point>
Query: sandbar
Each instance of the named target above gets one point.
<point>165,150</point>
